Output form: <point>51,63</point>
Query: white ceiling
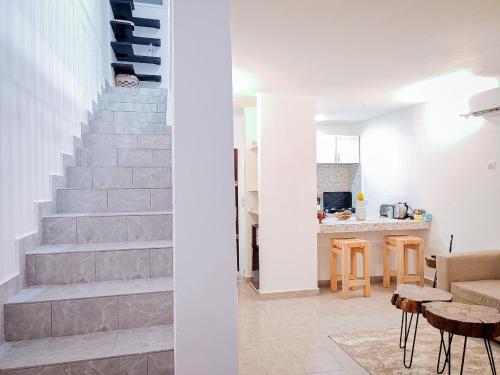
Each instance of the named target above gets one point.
<point>354,55</point>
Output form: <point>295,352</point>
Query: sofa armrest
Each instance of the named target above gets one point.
<point>470,266</point>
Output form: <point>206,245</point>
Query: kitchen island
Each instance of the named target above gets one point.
<point>373,230</point>
<point>332,225</point>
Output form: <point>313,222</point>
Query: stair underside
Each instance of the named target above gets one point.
<point>141,343</point>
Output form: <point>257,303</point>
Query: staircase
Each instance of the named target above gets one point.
<point>99,296</point>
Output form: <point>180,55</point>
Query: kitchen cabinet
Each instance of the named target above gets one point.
<point>331,149</point>
<point>347,147</point>
<point>325,148</point>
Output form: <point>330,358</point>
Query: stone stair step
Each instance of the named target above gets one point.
<point>99,246</point>
<point>124,98</point>
<point>119,177</point>
<point>117,127</point>
<point>130,117</point>
<point>70,200</point>
<point>83,263</point>
<point>137,91</point>
<point>127,141</point>
<point>148,350</point>
<point>132,107</point>
<point>74,309</point>
<point>106,227</point>
<point>95,157</point>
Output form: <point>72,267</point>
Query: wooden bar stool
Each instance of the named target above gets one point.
<point>402,245</point>
<point>348,249</point>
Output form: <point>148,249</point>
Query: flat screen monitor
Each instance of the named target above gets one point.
<point>337,200</point>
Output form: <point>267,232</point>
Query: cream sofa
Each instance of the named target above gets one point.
<point>472,277</point>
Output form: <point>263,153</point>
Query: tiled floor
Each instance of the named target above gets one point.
<point>290,336</point>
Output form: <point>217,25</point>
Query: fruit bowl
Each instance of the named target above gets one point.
<point>344,215</point>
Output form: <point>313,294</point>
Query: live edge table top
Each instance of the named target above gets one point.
<point>463,319</point>
<point>410,298</point>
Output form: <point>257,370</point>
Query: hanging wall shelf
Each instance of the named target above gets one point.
<point>125,52</point>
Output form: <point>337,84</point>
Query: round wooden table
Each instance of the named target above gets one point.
<point>465,320</point>
<point>409,299</point>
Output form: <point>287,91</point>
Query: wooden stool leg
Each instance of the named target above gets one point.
<point>400,263</point>
<point>406,262</point>
<point>345,272</point>
<point>387,267</point>
<point>354,264</point>
<point>366,271</point>
<point>420,263</point>
<point>333,271</point>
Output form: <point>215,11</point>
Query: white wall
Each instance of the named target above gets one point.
<point>287,193</point>
<point>453,179</point>
<point>52,67</point>
<point>388,158</point>
<point>438,162</point>
<point>206,323</point>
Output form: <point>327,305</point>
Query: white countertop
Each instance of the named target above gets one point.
<point>379,224</point>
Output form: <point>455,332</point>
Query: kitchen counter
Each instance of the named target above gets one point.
<point>332,225</point>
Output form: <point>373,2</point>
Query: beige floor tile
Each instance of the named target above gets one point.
<point>283,365</point>
<point>315,362</point>
<point>252,369</point>
<point>290,336</point>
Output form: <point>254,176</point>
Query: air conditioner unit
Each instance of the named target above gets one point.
<point>485,103</point>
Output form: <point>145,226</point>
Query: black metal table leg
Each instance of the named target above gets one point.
<point>407,329</point>
<point>404,323</point>
<point>487,344</point>
<point>463,356</point>
<point>447,352</point>
<point>434,283</point>
<point>442,346</point>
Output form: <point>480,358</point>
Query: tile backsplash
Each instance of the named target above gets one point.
<point>339,177</point>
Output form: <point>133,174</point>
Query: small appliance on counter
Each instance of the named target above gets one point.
<point>337,201</point>
<point>402,211</point>
<point>387,210</point>
<point>396,211</point>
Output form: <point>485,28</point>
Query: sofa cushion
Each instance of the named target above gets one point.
<point>480,292</point>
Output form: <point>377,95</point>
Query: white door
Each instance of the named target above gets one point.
<point>347,149</point>
<point>325,148</point>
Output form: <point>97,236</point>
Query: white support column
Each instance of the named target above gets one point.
<point>287,193</point>
<point>206,324</point>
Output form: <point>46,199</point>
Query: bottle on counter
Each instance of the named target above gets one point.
<point>360,207</point>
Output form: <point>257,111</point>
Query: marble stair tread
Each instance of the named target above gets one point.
<point>87,347</point>
<point>46,293</point>
<point>100,246</point>
<point>113,188</point>
<point>92,214</point>
<point>127,141</point>
<point>136,91</point>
